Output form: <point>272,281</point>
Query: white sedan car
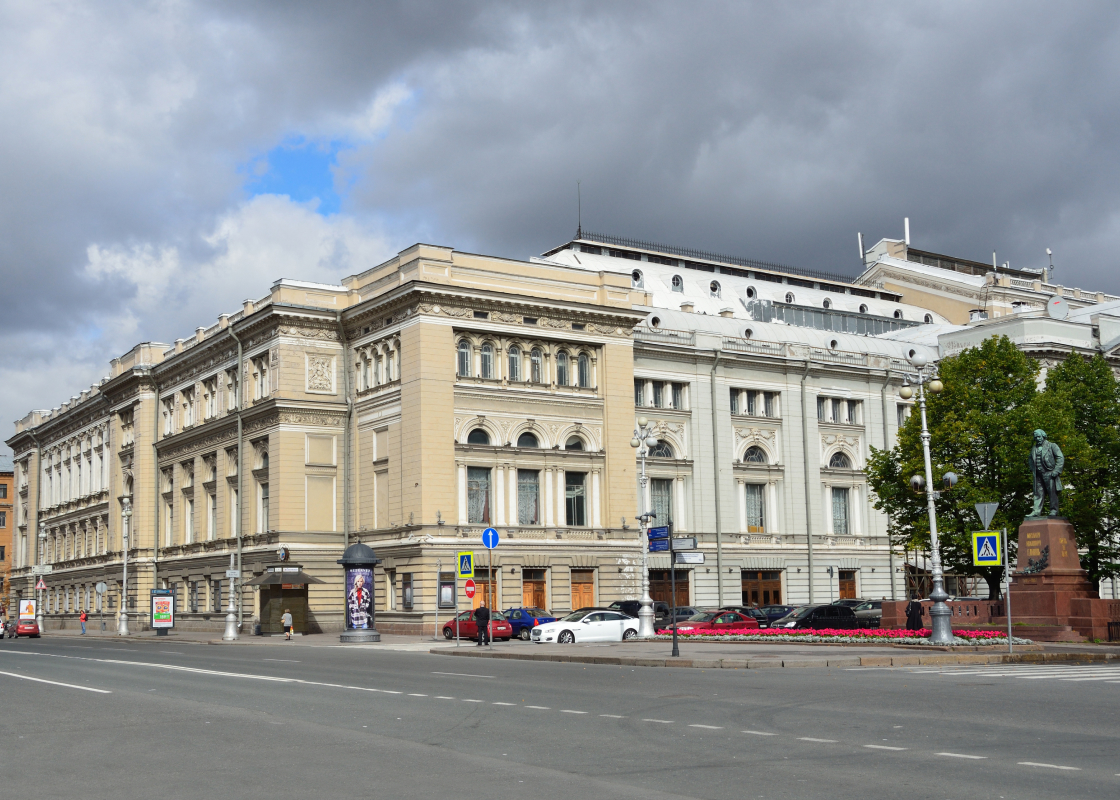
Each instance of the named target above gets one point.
<point>597,625</point>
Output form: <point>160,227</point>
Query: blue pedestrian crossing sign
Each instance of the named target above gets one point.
<point>987,549</point>
<point>466,565</point>
<point>490,538</point>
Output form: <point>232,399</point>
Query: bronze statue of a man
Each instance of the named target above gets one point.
<point>1046,462</point>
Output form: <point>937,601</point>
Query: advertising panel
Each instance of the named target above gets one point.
<point>163,609</point>
<point>27,609</point>
<point>359,598</point>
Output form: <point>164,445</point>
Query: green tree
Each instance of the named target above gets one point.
<point>1091,500</point>
<point>981,427</point>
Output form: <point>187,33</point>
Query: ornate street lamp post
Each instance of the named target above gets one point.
<point>940,615</point>
<point>643,440</point>
<point>126,517</point>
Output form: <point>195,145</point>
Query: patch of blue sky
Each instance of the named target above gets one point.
<point>303,169</point>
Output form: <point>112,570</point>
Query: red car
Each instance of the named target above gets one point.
<point>500,629</point>
<point>27,627</point>
<point>716,620</point>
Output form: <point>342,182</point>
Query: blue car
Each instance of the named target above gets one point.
<point>524,620</point>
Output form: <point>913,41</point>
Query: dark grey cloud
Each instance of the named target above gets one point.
<point>768,130</point>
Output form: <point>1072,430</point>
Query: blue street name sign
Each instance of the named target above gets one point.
<point>659,545</point>
<point>658,533</point>
<point>490,538</point>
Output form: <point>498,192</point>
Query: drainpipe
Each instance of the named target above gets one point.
<point>346,435</point>
<point>240,468</point>
<point>886,445</point>
<point>715,458</point>
<point>155,512</point>
<point>808,483</point>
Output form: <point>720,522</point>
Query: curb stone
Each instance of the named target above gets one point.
<point>845,661</point>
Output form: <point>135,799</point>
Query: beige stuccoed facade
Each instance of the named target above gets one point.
<point>439,393</point>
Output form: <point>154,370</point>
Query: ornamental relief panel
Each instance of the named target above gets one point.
<point>320,374</point>
<point>849,442</point>
<point>553,323</point>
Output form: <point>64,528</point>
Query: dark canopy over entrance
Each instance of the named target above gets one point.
<point>283,587</point>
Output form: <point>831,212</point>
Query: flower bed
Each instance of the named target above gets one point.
<point>837,636</point>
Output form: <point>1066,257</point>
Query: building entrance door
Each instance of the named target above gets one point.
<point>279,596</point>
<point>484,592</point>
<point>847,584</point>
<point>583,588</point>
<point>534,588</point>
<point>762,587</point>
<point>661,587</point>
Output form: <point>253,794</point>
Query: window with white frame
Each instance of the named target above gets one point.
<point>211,516</point>
<point>575,498</point>
<point>661,498</point>
<point>562,368</point>
<point>486,361</point>
<point>262,508</point>
<point>514,373</point>
<point>260,378</point>
<point>528,497</point>
<point>188,408</point>
<point>841,520</point>
<point>169,416</point>
<point>756,507</point>
<point>464,359</point>
<point>478,495</point>
<point>210,398</point>
<point>188,520</point>
<point>231,389</point>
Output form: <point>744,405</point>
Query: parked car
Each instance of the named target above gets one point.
<point>776,611</point>
<point>523,620</point>
<point>850,602</point>
<point>818,617</point>
<point>26,627</point>
<point>595,625</point>
<point>716,620</point>
<point>870,614</point>
<point>660,611</point>
<point>500,629</point>
<point>752,612</point>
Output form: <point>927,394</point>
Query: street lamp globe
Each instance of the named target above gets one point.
<point>917,359</point>
<point>905,392</point>
<point>936,386</point>
<point>642,422</point>
<point>651,441</point>
<point>635,442</point>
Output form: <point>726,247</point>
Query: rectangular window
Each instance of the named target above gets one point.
<point>215,595</point>
<point>262,511</point>
<point>168,523</point>
<point>3,519</point>
<point>234,527</point>
<point>639,392</point>
<point>822,409</point>
<point>903,412</point>
<point>734,401</point>
<point>770,407</point>
<point>678,396</point>
<point>752,409</point>
<point>211,516</point>
<point>661,496</point>
<point>231,390</point>
<point>575,498</point>
<point>188,521</point>
<point>528,497</point>
<point>478,495</point>
<point>853,412</point>
<point>194,596</point>
<point>657,395</point>
<point>756,511</point>
<point>836,417</point>
<point>168,417</point>
<point>406,591</point>
<point>840,516</point>
<point>3,491</point>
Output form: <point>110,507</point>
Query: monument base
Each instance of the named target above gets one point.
<point>359,636</point>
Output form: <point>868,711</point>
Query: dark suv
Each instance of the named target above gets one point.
<point>631,607</point>
<point>818,617</point>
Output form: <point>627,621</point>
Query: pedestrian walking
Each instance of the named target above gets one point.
<point>82,619</point>
<point>914,614</point>
<point>286,623</point>
<point>482,621</point>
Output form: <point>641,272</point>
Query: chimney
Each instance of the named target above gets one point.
<point>688,306</point>
<point>179,345</point>
<point>199,333</point>
<point>727,311</point>
<point>247,307</point>
<point>223,321</point>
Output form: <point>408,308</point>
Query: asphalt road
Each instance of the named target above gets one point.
<point>149,719</point>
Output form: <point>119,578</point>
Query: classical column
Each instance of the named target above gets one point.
<point>647,394</point>
<point>742,484</point>
<point>561,516</point>
<point>500,495</point>
<point>828,509</point>
<point>462,494</point>
<point>771,510</point>
<point>548,507</point>
<point>680,521</point>
<point>595,517</point>
<point>513,517</point>
<point>857,527</point>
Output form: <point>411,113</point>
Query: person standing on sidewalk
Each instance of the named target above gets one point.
<point>914,613</point>
<point>482,621</point>
<point>82,619</point>
<point>286,623</point>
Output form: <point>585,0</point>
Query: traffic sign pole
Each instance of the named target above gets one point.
<point>1007,590</point>
<point>490,539</point>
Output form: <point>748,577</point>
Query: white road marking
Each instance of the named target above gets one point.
<point>473,701</point>
<point>961,755</point>
<point>539,708</point>
<point>56,683</point>
<point>1048,766</point>
<point>286,660</point>
<point>811,739</point>
<point>418,695</point>
<point>664,721</point>
<point>708,727</point>
<point>503,704</point>
<point>883,747</point>
<point>462,675</point>
<point>760,733</point>
<point>171,652</point>
<point>443,697</point>
<point>612,716</point>
<point>569,711</point>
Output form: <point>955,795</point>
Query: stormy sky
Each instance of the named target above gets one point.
<point>160,162</point>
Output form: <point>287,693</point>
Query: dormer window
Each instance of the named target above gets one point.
<point>863,308</point>
<point>637,280</point>
<point>827,303</point>
<point>898,314</point>
<point>678,283</point>
<point>714,288</point>
<point>789,297</point>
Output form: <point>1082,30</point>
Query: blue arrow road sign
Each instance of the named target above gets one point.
<point>659,545</point>
<point>658,533</point>
<point>490,538</point>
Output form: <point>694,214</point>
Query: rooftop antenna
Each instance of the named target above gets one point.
<point>906,230</point>
<point>579,212</point>
<point>1050,272</point>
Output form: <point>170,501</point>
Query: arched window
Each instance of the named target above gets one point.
<point>514,363</point>
<point>528,440</point>
<point>929,319</point>
<point>376,370</point>
<point>478,436</point>
<point>390,366</point>
<point>486,369</point>
<point>789,297</point>
<point>367,373</point>
<point>755,455</point>
<point>562,368</point>
<point>827,303</point>
<point>584,364</point>
<point>863,308</point>
<point>637,279</point>
<point>535,359</point>
<point>264,460</point>
<point>678,283</point>
<point>750,292</point>
<point>661,450</point>
<point>840,461</point>
<point>748,333</point>
<point>464,359</point>
<point>713,287</point>
<point>898,314</point>
<point>574,443</point>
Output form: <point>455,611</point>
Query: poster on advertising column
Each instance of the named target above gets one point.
<point>359,597</point>
<point>27,609</point>
<point>163,609</point>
